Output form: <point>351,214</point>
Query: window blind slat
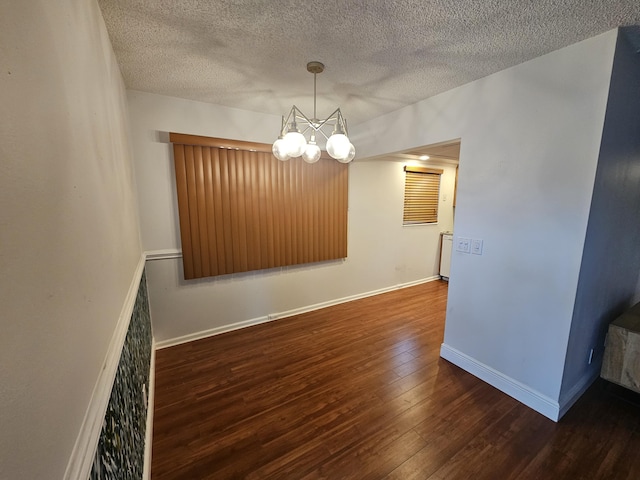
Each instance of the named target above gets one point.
<point>276,211</point>
<point>209,208</point>
<point>193,210</point>
<point>255,215</point>
<point>241,166</point>
<point>218,218</point>
<point>306,220</point>
<point>299,231</point>
<point>287,198</point>
<point>262,212</point>
<point>226,211</point>
<point>234,216</point>
<point>202,210</point>
<point>270,216</point>
<point>183,205</point>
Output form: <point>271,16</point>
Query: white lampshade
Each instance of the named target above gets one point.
<point>295,142</point>
<point>279,150</point>
<point>311,153</point>
<point>338,146</point>
<point>350,156</point>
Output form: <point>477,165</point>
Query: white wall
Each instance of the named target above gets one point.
<point>381,253</point>
<point>530,139</point>
<point>611,259</point>
<point>68,225</point>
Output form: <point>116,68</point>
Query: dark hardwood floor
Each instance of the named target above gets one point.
<point>358,391</point>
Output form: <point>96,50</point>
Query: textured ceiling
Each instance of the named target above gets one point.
<point>379,55</point>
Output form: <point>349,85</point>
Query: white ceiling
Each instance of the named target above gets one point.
<point>379,55</point>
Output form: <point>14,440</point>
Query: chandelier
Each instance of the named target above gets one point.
<point>296,126</point>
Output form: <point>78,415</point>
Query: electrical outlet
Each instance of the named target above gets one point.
<point>476,246</point>
<point>463,245</point>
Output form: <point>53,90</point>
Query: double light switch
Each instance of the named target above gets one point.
<point>469,245</point>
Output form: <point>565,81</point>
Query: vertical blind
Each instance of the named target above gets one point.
<point>421,193</point>
<point>241,209</point>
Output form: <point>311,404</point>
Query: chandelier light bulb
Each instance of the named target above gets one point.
<point>338,146</point>
<point>279,150</point>
<point>350,156</point>
<point>295,143</point>
<point>312,153</point>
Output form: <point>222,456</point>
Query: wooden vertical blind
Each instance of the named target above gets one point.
<point>421,193</point>
<point>241,209</point>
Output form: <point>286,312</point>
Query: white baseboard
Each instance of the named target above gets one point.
<point>523,393</point>
<point>350,298</point>
<point>84,450</point>
<point>146,473</point>
<point>211,332</point>
<point>572,396</point>
<point>287,313</point>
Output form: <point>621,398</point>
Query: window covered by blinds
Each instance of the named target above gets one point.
<point>421,193</point>
<point>241,209</point>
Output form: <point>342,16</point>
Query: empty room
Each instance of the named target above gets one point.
<point>294,240</point>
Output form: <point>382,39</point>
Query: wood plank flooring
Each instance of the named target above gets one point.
<point>358,391</point>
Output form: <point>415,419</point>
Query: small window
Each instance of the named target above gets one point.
<point>421,193</point>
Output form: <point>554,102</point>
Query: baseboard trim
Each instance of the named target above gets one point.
<point>81,460</point>
<point>210,332</point>
<point>521,392</point>
<point>146,472</point>
<point>572,396</point>
<point>350,298</point>
<point>284,314</point>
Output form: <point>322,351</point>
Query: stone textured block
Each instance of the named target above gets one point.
<point>621,363</point>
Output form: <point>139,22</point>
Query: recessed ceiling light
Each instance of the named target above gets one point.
<point>424,157</point>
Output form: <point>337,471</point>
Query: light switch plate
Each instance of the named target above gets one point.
<point>463,245</point>
<point>476,246</point>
